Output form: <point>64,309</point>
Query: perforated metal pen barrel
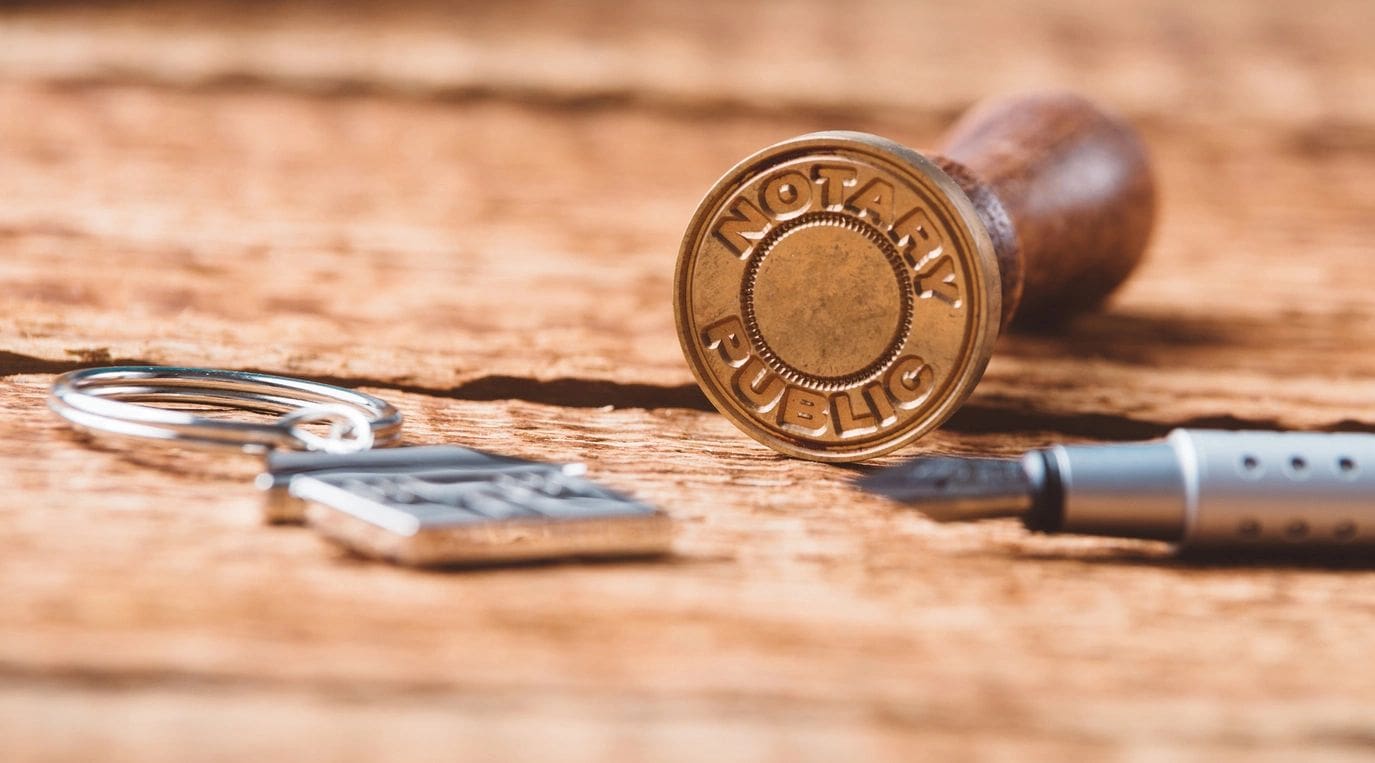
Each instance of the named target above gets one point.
<point>1197,488</point>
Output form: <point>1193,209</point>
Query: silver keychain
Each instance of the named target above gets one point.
<point>422,506</point>
<point>104,401</point>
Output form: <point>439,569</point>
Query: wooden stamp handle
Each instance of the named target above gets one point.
<point>1066,193</point>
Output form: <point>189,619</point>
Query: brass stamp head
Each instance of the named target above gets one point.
<point>837,296</point>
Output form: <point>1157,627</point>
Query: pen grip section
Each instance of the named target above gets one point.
<point>1134,490</point>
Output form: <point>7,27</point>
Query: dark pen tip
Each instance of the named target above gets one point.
<point>953,488</point>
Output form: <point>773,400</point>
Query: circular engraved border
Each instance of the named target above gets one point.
<point>949,204</point>
<point>782,367</point>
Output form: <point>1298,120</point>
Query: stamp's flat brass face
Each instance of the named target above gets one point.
<point>836,296</point>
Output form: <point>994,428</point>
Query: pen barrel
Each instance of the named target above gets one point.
<point>1204,488</point>
<point>1277,489</point>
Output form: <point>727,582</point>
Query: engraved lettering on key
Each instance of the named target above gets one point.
<point>449,505</point>
<point>454,497</point>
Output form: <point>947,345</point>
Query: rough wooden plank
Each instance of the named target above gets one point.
<point>502,271</point>
<point>789,601</point>
<point>790,595</point>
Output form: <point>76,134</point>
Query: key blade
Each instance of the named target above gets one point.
<point>424,519</point>
<point>955,489</point>
<point>439,506</point>
<point>281,507</point>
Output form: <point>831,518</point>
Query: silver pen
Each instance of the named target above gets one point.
<point>1197,488</point>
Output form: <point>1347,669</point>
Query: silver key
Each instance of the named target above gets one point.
<point>446,505</point>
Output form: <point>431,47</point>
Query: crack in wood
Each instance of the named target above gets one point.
<point>474,697</point>
<point>566,392</point>
<point>534,97</point>
<point>15,364</point>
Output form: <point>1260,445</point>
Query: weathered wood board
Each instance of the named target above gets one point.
<point>475,214</point>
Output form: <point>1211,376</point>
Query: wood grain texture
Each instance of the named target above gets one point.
<point>481,227</point>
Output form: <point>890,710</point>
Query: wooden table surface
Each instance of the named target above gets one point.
<point>474,211</point>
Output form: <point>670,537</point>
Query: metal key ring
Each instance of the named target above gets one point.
<point>105,401</point>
